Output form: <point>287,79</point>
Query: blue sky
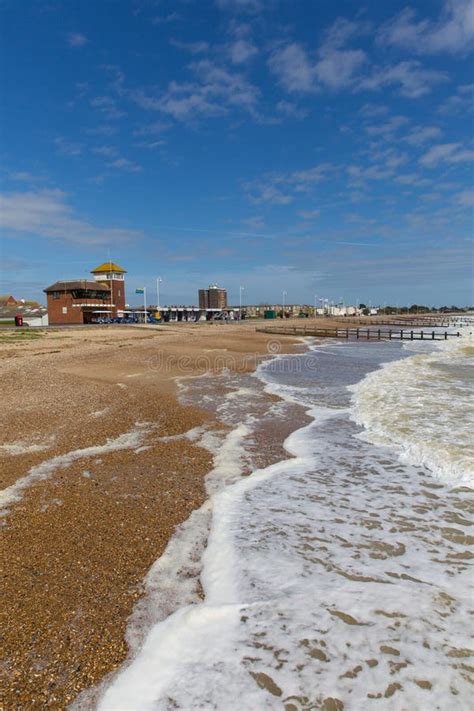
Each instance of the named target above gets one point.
<point>322,147</point>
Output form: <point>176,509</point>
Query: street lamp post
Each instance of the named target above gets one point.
<point>158,282</point>
<point>284,297</point>
<point>241,288</point>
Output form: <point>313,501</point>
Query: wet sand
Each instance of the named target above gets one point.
<point>77,545</point>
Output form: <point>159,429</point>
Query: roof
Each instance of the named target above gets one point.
<point>108,267</point>
<point>77,284</point>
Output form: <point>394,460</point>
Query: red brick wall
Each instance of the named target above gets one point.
<point>56,306</point>
<point>118,293</point>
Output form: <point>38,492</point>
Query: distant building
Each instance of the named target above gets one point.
<point>213,298</point>
<point>8,300</point>
<point>80,301</point>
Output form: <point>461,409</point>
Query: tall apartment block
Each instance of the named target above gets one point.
<point>213,298</point>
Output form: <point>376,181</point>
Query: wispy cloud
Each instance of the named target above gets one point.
<point>46,214</point>
<point>309,214</point>
<point>105,130</point>
<point>214,92</point>
<point>410,78</point>
<point>107,151</point>
<point>125,164</point>
<point>67,148</point>
<point>107,106</point>
<point>466,198</point>
<point>388,127</point>
<point>422,134</point>
<point>460,102</point>
<point>192,47</point>
<point>283,188</point>
<point>293,68</point>
<point>291,110</point>
<point>76,39</point>
<point>453,32</point>
<point>250,6</point>
<point>332,65</point>
<point>242,51</point>
<point>165,19</point>
<point>446,153</point>
<point>24,176</point>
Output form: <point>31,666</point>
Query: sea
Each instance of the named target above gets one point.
<point>336,575</point>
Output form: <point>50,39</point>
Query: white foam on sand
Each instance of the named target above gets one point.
<point>27,446</point>
<point>128,440</point>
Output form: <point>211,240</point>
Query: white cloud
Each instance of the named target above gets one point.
<point>411,78</point>
<point>151,145</point>
<point>241,51</point>
<point>412,180</point>
<point>76,39</point>
<point>309,214</point>
<point>388,127</point>
<point>448,153</point>
<point>466,198</point>
<point>461,101</point>
<point>107,105</point>
<point>101,131</point>
<point>452,33</point>
<point>24,176</point>
<point>125,164</point>
<point>45,213</point>
<point>193,47</point>
<point>252,6</point>
<point>165,19</point>
<point>215,91</point>
<point>254,223</point>
<point>108,151</point>
<point>282,188</point>
<point>373,110</point>
<point>269,194</point>
<point>337,68</point>
<point>332,65</point>
<point>421,134</point>
<point>293,68</point>
<point>300,71</point>
<point>359,175</point>
<point>287,108</point>
<point>67,148</point>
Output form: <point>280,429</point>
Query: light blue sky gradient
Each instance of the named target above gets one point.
<point>321,147</point>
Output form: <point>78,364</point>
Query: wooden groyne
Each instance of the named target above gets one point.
<point>410,322</point>
<point>368,334</point>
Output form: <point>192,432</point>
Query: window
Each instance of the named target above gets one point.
<point>56,294</point>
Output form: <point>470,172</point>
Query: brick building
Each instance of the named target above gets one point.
<point>8,300</point>
<point>81,301</point>
<point>213,298</point>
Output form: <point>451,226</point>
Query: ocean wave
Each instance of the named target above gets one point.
<point>422,406</point>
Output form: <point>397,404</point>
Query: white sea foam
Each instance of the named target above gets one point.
<point>128,440</point>
<point>27,446</point>
<point>338,576</point>
<point>424,407</point>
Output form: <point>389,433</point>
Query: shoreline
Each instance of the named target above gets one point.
<point>77,546</point>
<point>353,522</point>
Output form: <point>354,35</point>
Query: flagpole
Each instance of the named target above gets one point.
<point>144,303</point>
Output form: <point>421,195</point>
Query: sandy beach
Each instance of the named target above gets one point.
<point>91,419</point>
